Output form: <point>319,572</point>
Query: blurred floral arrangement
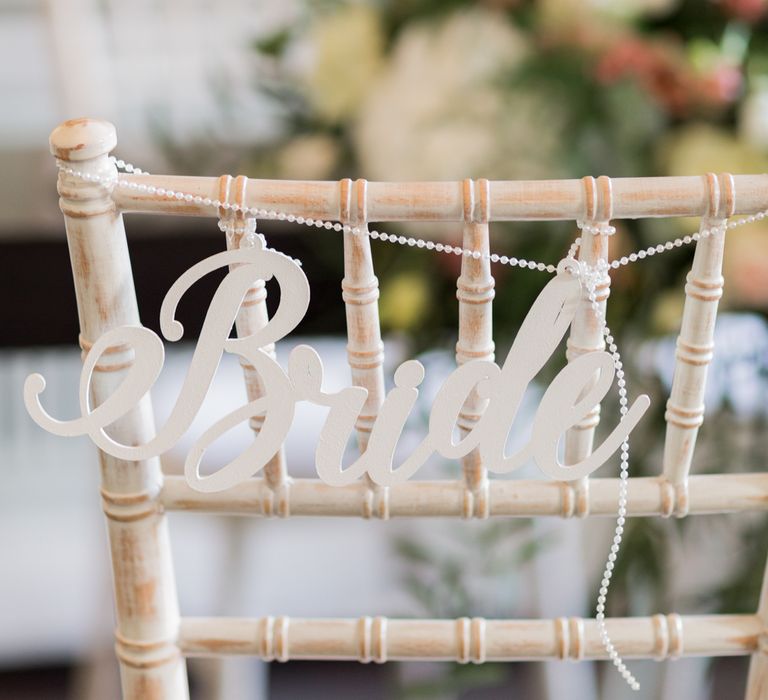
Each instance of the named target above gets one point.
<point>508,89</point>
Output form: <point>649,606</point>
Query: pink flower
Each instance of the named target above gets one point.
<point>748,10</point>
<point>723,85</point>
<point>663,71</point>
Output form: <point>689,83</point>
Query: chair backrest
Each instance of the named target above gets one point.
<point>151,638</point>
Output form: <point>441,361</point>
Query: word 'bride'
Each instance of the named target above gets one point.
<point>569,397</point>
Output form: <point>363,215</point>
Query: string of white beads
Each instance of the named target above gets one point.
<point>245,229</point>
<point>683,240</point>
<point>590,278</point>
<point>249,237</point>
<point>601,229</point>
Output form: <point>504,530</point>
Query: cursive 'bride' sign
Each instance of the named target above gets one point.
<point>570,396</point>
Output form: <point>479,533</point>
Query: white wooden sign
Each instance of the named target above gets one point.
<point>565,402</point>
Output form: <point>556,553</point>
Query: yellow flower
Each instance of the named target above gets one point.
<point>701,148</point>
<point>668,312</point>
<point>404,300</point>
<point>347,48</point>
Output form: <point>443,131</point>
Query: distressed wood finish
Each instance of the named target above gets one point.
<point>470,640</point>
<point>695,344</point>
<point>251,317</point>
<point>757,681</point>
<point>541,200</point>
<point>151,638</point>
<point>145,593</point>
<point>648,496</point>
<point>586,335</point>
<point>365,350</point>
<point>474,290</point>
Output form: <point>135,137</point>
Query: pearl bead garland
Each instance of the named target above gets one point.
<point>248,236</point>
<point>591,283</point>
<point>589,276</point>
<point>603,229</point>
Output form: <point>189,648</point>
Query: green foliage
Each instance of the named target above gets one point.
<point>274,45</point>
<point>443,580</point>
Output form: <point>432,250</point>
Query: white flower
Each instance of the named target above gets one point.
<point>436,113</point>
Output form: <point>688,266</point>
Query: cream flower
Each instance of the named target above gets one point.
<point>436,113</point>
<point>310,157</point>
<point>702,148</point>
<point>347,51</point>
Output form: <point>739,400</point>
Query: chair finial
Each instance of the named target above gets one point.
<point>82,139</point>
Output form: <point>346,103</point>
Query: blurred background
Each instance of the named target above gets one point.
<point>402,90</point>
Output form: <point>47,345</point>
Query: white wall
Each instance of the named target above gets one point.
<point>185,65</point>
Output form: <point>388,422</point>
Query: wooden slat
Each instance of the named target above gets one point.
<point>648,496</point>
<point>586,334</point>
<point>365,350</point>
<point>474,290</point>
<point>757,680</point>
<point>695,343</point>
<point>251,317</point>
<point>466,640</point>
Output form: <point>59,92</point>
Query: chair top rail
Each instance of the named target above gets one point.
<point>522,200</point>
